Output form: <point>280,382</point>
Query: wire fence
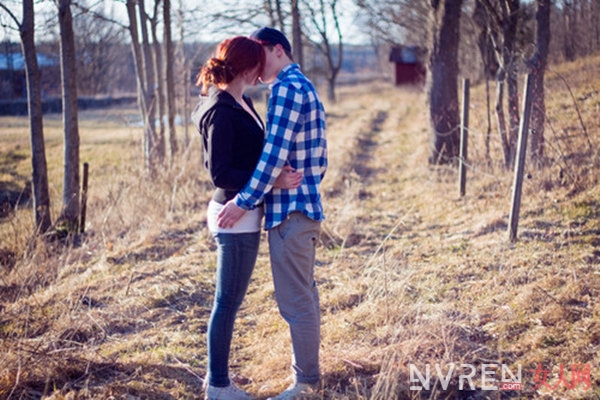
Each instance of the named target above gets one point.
<point>561,159</point>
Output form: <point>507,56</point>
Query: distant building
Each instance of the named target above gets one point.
<point>409,64</point>
<point>13,81</point>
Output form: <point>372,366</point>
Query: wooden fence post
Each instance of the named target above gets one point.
<point>513,222</point>
<point>84,197</point>
<point>464,140</point>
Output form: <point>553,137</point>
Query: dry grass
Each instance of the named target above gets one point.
<point>410,272</point>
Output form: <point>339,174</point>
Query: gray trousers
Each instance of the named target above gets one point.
<point>292,248</point>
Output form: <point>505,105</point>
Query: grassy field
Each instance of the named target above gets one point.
<point>410,273</point>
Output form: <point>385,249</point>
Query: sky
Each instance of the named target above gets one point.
<point>348,11</point>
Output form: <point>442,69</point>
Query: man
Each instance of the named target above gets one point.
<point>295,139</point>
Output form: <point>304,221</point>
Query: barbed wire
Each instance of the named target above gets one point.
<point>474,169</point>
<point>446,134</point>
<point>501,176</point>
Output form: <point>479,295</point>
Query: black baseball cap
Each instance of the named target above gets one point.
<point>271,36</point>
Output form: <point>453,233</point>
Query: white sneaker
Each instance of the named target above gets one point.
<point>230,392</point>
<point>295,391</point>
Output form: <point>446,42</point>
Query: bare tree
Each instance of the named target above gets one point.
<point>537,68</point>
<point>297,48</point>
<point>485,44</point>
<point>503,20</point>
<point>104,59</point>
<point>153,142</point>
<point>145,77</point>
<point>99,52</point>
<point>234,17</point>
<point>276,14</point>
<point>182,67</point>
<point>158,150</point>
<point>169,78</point>
<point>41,196</point>
<point>585,28</point>
<point>164,80</point>
<point>595,22</point>
<point>578,23</point>
<point>398,21</point>
<point>153,66</point>
<point>320,17</point>
<point>69,218</point>
<point>443,80</point>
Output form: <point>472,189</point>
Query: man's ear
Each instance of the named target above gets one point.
<point>279,50</point>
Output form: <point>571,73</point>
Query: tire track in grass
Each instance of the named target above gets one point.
<point>366,144</point>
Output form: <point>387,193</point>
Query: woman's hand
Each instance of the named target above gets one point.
<point>289,178</point>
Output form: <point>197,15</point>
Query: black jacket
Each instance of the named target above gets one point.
<point>232,141</point>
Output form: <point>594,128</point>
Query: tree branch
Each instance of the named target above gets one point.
<point>11,15</point>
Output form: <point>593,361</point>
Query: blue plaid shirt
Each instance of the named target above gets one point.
<point>296,137</point>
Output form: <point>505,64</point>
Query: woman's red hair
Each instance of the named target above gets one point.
<point>232,57</point>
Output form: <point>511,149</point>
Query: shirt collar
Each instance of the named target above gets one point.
<point>285,71</point>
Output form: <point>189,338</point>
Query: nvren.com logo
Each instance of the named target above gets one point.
<point>499,377</point>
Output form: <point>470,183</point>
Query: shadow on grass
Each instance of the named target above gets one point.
<point>107,380</point>
<point>11,196</point>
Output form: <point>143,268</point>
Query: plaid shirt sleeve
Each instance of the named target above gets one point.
<point>284,122</point>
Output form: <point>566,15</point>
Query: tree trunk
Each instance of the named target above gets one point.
<point>297,34</point>
<point>443,81</point>
<point>151,95</point>
<point>570,29</point>
<point>41,196</point>
<point>537,69</point>
<point>160,142</point>
<point>183,71</point>
<point>510,19</point>
<point>169,79</point>
<point>275,14</point>
<point>333,67</point>
<point>186,105</point>
<point>319,20</point>
<point>145,99</point>
<point>70,211</point>
<point>485,44</point>
<point>595,25</point>
<point>514,119</point>
<point>499,20</point>
<point>501,118</point>
<point>137,58</point>
<point>280,17</point>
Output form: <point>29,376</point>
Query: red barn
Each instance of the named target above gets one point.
<point>409,67</point>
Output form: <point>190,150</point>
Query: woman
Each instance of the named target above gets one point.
<point>233,137</point>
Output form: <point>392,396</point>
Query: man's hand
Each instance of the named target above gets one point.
<point>289,178</point>
<point>229,215</point>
